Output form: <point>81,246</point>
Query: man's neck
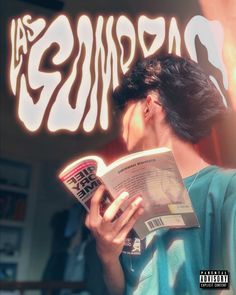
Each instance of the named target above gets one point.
<point>186,156</point>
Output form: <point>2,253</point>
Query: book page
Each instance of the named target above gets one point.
<point>130,157</point>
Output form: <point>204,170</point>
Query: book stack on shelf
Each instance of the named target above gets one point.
<point>14,190</point>
<point>12,205</point>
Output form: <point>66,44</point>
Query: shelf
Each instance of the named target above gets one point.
<point>14,189</point>
<point>15,207</point>
<point>9,259</point>
<point>15,223</point>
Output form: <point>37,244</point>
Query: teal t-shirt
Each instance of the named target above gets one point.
<point>171,261</point>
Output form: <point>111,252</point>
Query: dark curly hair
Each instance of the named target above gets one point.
<point>190,100</point>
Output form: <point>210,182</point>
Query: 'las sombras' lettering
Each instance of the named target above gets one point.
<point>94,52</point>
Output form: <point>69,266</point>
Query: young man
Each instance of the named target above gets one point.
<point>169,101</point>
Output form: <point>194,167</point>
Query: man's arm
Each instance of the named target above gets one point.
<point>114,277</point>
<point>110,235</point>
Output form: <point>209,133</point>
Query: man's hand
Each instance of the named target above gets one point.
<point>110,234</point>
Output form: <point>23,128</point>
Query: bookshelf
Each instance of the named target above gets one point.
<point>15,223</point>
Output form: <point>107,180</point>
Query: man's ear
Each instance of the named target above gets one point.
<point>150,104</point>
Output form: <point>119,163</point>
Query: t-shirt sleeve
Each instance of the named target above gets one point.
<point>229,232</point>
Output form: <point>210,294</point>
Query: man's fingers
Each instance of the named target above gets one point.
<point>129,211</point>
<point>95,203</point>
<point>129,225</point>
<point>112,210</point>
<point>87,221</point>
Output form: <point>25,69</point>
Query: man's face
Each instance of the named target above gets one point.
<point>133,126</point>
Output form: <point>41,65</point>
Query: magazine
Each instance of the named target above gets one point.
<point>151,174</point>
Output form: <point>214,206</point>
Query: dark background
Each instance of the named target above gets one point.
<point>45,153</point>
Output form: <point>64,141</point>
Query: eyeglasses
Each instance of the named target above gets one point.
<point>117,110</point>
<point>157,102</point>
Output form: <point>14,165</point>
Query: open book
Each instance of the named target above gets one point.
<point>151,174</point>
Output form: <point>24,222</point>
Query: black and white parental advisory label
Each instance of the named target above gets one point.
<point>214,279</point>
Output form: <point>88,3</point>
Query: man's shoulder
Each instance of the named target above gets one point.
<point>215,176</point>
<point>225,176</point>
<point>218,173</point>
<point>216,183</point>
<point>223,185</point>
